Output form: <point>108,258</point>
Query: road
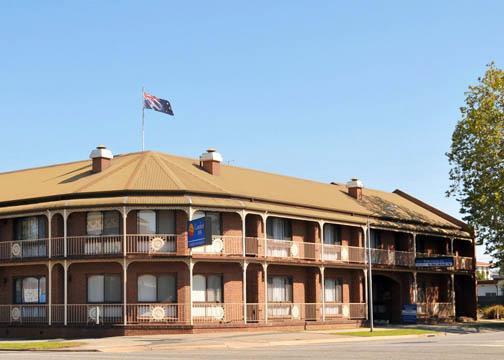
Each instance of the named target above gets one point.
<point>459,347</point>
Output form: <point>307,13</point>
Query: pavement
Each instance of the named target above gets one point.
<point>451,344</point>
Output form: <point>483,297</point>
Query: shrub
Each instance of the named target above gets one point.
<point>493,312</point>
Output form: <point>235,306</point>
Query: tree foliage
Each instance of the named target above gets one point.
<point>477,161</point>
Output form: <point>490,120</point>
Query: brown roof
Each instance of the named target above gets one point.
<point>158,174</point>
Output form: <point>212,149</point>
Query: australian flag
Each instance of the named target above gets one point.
<point>155,103</point>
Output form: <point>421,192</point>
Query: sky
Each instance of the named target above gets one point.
<point>324,90</point>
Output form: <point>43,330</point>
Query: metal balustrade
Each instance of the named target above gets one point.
<point>23,249</point>
<point>344,254</point>
<point>392,257</point>
<point>104,245</point>
<point>222,245</point>
<point>178,314</point>
<point>463,263</point>
<point>152,244</point>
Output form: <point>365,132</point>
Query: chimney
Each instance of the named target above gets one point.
<point>210,161</point>
<point>355,188</point>
<point>101,157</point>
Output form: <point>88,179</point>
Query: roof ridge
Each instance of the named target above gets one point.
<point>105,174</point>
<point>196,175</point>
<point>168,171</point>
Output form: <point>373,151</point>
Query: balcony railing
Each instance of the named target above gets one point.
<point>442,310</point>
<point>160,244</point>
<point>344,254</point>
<point>463,263</point>
<point>178,314</point>
<point>104,245</point>
<point>292,249</point>
<point>222,245</point>
<point>23,249</point>
<point>392,257</point>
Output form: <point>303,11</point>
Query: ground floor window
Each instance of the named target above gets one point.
<point>208,288</point>
<point>104,288</point>
<point>30,290</point>
<point>333,290</point>
<point>157,288</point>
<point>279,289</point>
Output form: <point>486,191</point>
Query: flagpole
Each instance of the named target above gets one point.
<point>143,120</point>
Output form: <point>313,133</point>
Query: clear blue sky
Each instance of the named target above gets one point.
<point>325,90</point>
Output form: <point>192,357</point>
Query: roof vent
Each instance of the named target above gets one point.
<point>355,188</point>
<point>210,161</point>
<point>101,157</point>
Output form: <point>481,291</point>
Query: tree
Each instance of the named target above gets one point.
<point>477,161</point>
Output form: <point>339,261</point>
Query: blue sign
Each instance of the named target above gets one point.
<point>409,314</point>
<point>196,233</point>
<point>435,261</point>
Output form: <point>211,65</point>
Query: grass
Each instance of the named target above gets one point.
<point>38,345</point>
<point>393,332</point>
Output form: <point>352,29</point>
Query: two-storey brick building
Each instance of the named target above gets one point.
<point>100,247</point>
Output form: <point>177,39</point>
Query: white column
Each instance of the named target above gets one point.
<point>452,283</point>
<point>65,292</point>
<point>49,292</point>
<point>414,244</point>
<point>365,293</point>
<point>415,288</point>
<point>65,226</point>
<point>125,283</point>
<point>49,235</point>
<point>243,216</point>
<point>125,244</point>
<point>244,285</point>
<point>191,266</point>
<point>322,274</point>
<point>265,271</point>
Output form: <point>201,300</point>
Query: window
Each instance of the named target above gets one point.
<point>279,289</point>
<point>161,288</point>
<point>103,223</point>
<point>375,239</point>
<point>333,290</point>
<point>156,222</point>
<point>30,290</point>
<point>104,289</point>
<point>278,228</point>
<point>215,221</point>
<point>30,228</point>
<point>207,288</point>
<point>332,234</point>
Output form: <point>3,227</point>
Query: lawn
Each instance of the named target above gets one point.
<point>393,332</point>
<point>38,345</point>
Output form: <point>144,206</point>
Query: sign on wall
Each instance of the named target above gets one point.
<point>198,233</point>
<point>434,261</point>
<point>409,314</point>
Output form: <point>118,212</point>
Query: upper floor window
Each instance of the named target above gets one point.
<point>279,228</point>
<point>30,228</point>
<point>208,288</point>
<point>104,288</point>
<point>160,288</point>
<point>333,290</point>
<point>375,239</point>
<point>332,234</point>
<point>279,289</point>
<point>30,290</point>
<point>103,223</point>
<point>156,222</point>
<point>215,221</point>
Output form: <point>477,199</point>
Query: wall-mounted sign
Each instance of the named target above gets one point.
<point>434,261</point>
<point>198,233</point>
<point>409,314</point>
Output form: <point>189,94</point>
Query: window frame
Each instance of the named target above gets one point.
<point>290,279</point>
<point>337,232</point>
<point>104,300</point>
<point>22,278</point>
<point>338,281</point>
<point>42,227</point>
<point>219,216</point>
<point>102,214</point>
<point>287,228</point>
<point>206,276</point>
<point>157,276</point>
<point>156,219</point>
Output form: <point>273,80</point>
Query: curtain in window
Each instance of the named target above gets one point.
<point>147,291</point>
<point>95,289</point>
<point>166,222</point>
<point>278,228</point>
<point>279,289</point>
<point>330,290</point>
<point>167,288</point>
<point>94,223</point>
<point>214,288</point>
<point>112,288</point>
<point>215,220</point>
<point>199,288</point>
<point>111,223</point>
<point>27,228</point>
<point>146,222</point>
<point>331,234</point>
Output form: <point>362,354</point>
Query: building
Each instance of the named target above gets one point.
<point>483,270</point>
<point>100,248</point>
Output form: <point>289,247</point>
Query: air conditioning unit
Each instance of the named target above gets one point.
<point>344,253</point>
<point>16,249</point>
<point>157,313</point>
<point>295,312</point>
<point>156,244</point>
<point>94,313</point>
<point>218,245</point>
<point>217,312</point>
<point>294,250</point>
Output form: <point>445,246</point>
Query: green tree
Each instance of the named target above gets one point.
<point>477,161</point>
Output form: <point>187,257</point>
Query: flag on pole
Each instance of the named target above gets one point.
<point>155,103</point>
